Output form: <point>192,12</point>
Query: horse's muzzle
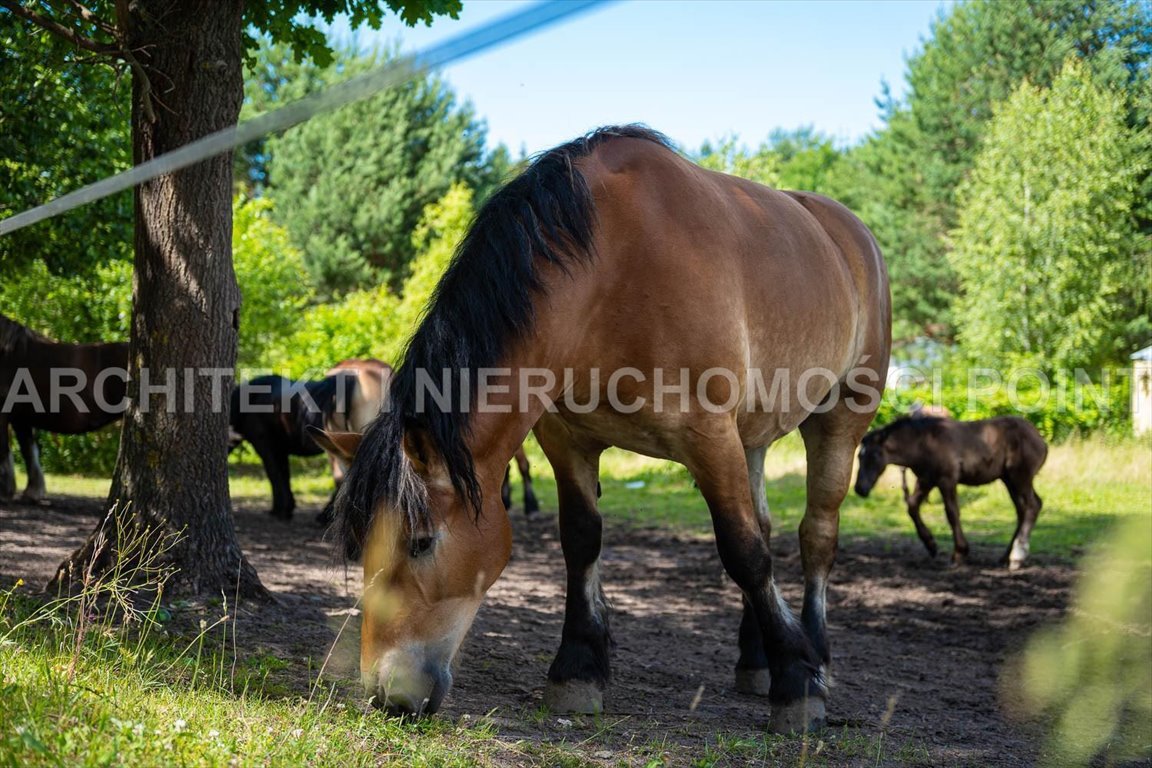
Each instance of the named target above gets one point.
<point>419,700</point>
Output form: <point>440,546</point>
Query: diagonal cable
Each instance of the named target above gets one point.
<point>394,73</point>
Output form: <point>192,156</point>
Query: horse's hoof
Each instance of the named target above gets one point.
<point>804,716</point>
<point>1015,565</point>
<point>280,515</point>
<point>754,682</point>
<point>575,696</point>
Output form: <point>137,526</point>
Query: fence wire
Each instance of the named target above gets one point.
<point>396,72</point>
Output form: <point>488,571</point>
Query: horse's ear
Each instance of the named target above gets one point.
<point>342,445</point>
<point>419,447</point>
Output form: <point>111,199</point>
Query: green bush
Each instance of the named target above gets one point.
<point>273,280</point>
<point>375,322</point>
<point>1064,408</point>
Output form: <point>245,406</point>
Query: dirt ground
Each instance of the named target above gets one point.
<point>918,647</point>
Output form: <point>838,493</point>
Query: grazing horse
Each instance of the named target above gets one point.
<point>616,294</point>
<point>47,385</point>
<point>274,415</point>
<point>944,453</point>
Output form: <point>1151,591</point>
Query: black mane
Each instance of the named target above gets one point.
<point>15,337</point>
<point>918,424</point>
<point>481,305</point>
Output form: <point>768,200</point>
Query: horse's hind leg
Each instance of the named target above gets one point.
<point>26,436</point>
<point>1028,504</point>
<point>797,689</point>
<point>531,505</point>
<point>830,441</point>
<point>580,671</point>
<point>752,674</point>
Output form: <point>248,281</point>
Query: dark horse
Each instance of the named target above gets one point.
<point>47,385</point>
<point>616,294</point>
<point>274,414</point>
<point>944,453</point>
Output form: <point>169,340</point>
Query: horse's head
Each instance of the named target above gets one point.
<point>428,561</point>
<point>873,458</point>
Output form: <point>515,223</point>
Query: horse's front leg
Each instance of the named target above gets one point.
<point>752,673</point>
<point>274,457</point>
<point>7,466</point>
<point>30,450</point>
<point>797,689</point>
<point>952,510</point>
<point>914,501</point>
<point>580,671</point>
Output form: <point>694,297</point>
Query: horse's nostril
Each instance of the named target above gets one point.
<point>400,707</point>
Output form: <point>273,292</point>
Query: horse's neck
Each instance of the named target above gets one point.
<point>902,450</point>
<point>499,423</point>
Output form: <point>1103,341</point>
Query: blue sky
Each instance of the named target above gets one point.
<point>695,70</point>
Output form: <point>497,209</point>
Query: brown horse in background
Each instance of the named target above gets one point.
<point>55,387</point>
<point>944,453</point>
<point>610,266</point>
<point>364,401</point>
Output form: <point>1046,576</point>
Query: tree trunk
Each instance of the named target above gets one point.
<point>171,473</point>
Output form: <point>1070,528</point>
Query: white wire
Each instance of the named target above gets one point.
<point>394,73</point>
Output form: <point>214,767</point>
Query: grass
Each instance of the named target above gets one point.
<point>1088,486</point>
<point>79,687</point>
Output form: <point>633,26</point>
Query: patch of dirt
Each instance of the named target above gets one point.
<point>917,646</point>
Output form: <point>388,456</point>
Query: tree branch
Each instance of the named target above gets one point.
<point>87,15</point>
<point>58,29</point>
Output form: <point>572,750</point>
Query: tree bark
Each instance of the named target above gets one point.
<point>171,472</point>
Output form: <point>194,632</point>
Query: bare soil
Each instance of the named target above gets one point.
<point>918,646</point>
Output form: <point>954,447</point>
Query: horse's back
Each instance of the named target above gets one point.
<point>698,270</point>
<point>687,237</point>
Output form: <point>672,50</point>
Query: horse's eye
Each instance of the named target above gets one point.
<point>421,546</point>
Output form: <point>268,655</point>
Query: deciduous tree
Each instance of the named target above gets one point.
<point>185,58</point>
<point>1053,268</point>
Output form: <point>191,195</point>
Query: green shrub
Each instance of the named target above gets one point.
<point>374,322</point>
<point>273,280</point>
<point>1063,408</point>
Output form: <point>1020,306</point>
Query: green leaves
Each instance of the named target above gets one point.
<point>1047,247</point>
<point>350,186</point>
<point>63,124</point>
<point>287,21</point>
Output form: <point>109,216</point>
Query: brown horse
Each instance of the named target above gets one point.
<point>609,278</point>
<point>47,385</point>
<point>369,379</point>
<point>944,453</point>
